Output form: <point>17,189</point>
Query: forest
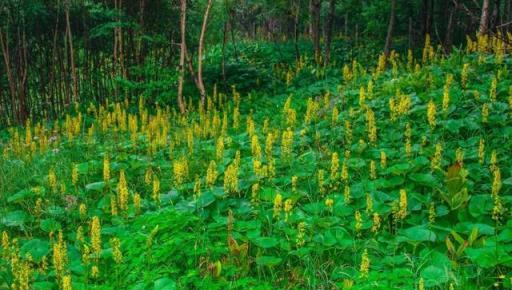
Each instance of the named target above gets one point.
<point>255,144</point>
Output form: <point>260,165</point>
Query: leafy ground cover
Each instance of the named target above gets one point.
<point>394,176</point>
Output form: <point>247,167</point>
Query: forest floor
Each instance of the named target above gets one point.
<point>396,176</point>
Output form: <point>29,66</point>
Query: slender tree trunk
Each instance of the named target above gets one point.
<point>495,17</point>
<point>449,27</point>
<point>10,78</point>
<point>426,17</point>
<point>71,54</point>
<point>296,30</point>
<point>315,27</point>
<point>200,83</point>
<point>484,19</point>
<point>183,15</point>
<point>391,24</point>
<point>328,30</point>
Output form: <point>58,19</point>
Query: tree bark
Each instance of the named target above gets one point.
<point>200,83</point>
<point>484,19</point>
<point>71,53</point>
<point>328,30</point>
<point>391,24</point>
<point>315,27</point>
<point>4,45</point>
<point>183,14</point>
<point>449,28</point>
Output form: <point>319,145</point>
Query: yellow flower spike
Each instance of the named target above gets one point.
<point>358,224</point>
<point>66,283</point>
<point>106,169</point>
<point>219,148</point>
<point>211,174</point>
<point>376,222</point>
<point>364,268</point>
<point>137,203</point>
<point>155,190</point>
<point>371,126</point>
<point>492,89</point>
<point>113,206</point>
<point>464,75</point>
<point>446,92</point>
<point>116,250</point>
<point>231,178</point>
<point>74,174</point>
<point>180,170</point>
<point>294,183</point>
<point>335,114</point>
<point>122,191</point>
<point>481,151</point>
<point>437,158</point>
<point>288,206</point>
<point>82,209</point>
<point>278,204</point>
<point>301,233</point>
<point>383,159</point>
<point>432,213</point>
<point>95,235</point>
<point>5,241</point>
<point>59,255</point>
<point>255,191</point>
<point>421,284</point>
<point>52,180</point>
<point>369,203</point>
<point>255,147</point>
<point>287,143</point>
<point>431,114</point>
<point>402,213</point>
<point>269,144</point>
<point>485,113</point>
<point>329,202</point>
<point>496,182</point>
<point>95,271</point>
<point>373,169</point>
<point>335,164</point>
<point>362,97</point>
<point>346,194</point>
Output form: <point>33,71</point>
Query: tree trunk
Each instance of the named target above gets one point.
<point>183,14</point>
<point>71,54</point>
<point>449,28</point>
<point>328,30</point>
<point>4,45</point>
<point>426,17</point>
<point>200,53</point>
<point>391,24</point>
<point>296,11</point>
<point>484,19</point>
<point>495,17</point>
<point>315,27</point>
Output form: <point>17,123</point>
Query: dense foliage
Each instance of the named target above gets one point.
<point>394,174</point>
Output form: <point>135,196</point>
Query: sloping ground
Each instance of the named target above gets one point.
<point>394,177</point>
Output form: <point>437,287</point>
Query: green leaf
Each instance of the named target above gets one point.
<point>424,178</point>
<point>205,199</point>
<point>265,242</point>
<point>14,218</point>
<point>435,276</point>
<point>50,225</point>
<point>95,186</point>
<point>37,249</point>
<point>419,234</point>
<point>400,168</point>
<point>164,284</point>
<point>20,195</point>
<point>268,261</point>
